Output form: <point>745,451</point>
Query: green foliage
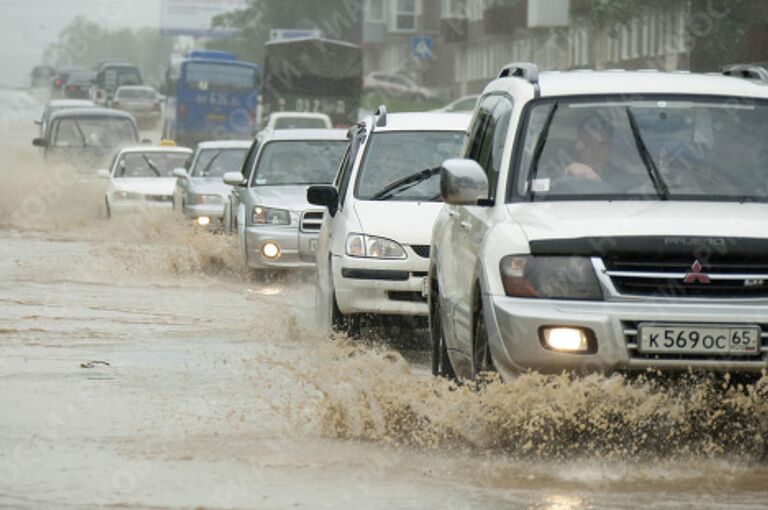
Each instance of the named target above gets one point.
<point>337,19</point>
<point>85,43</point>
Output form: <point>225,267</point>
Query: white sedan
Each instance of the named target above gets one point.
<point>142,177</point>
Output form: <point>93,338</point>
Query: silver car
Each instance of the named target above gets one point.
<point>200,194</point>
<point>276,226</point>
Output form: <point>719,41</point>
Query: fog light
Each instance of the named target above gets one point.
<point>203,221</point>
<point>564,339</point>
<point>270,250</point>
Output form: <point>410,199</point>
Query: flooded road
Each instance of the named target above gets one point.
<point>141,368</point>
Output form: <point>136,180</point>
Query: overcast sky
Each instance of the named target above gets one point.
<point>28,26</point>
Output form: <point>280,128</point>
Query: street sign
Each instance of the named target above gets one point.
<point>421,47</point>
<point>193,17</point>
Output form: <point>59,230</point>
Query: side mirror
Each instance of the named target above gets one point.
<point>39,122</point>
<point>103,173</point>
<point>234,179</point>
<point>146,141</point>
<point>40,142</point>
<point>181,173</point>
<point>462,182</point>
<point>324,195</point>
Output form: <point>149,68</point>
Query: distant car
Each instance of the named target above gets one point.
<point>396,85</point>
<point>276,226</point>
<point>463,104</point>
<point>111,76</point>
<point>42,76</point>
<point>86,137</point>
<point>200,193</point>
<point>54,105</point>
<point>299,120</point>
<point>61,78</point>
<point>143,102</point>
<point>373,248</point>
<point>141,178</point>
<point>78,85</point>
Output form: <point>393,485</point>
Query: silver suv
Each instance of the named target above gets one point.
<point>605,221</point>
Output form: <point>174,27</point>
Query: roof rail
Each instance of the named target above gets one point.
<point>381,116</point>
<point>748,71</point>
<point>525,70</point>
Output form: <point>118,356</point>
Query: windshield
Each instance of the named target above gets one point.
<point>149,164</point>
<point>300,123</point>
<point>392,158</point>
<point>93,132</point>
<point>299,162</point>
<point>224,77</point>
<point>655,147</point>
<point>217,162</point>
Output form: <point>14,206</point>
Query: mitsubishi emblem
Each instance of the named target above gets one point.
<point>695,275</point>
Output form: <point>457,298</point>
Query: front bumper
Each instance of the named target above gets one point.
<point>381,287</point>
<point>297,249</point>
<point>139,206</point>
<point>215,213</point>
<point>513,331</point>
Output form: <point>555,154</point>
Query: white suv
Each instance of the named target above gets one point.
<point>373,249</point>
<point>605,221</point>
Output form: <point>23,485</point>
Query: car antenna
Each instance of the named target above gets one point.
<point>381,114</point>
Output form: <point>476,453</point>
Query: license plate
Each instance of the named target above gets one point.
<point>692,339</point>
<point>217,118</point>
<point>313,245</point>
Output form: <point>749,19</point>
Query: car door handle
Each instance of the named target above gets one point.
<point>453,214</point>
<point>466,225</point>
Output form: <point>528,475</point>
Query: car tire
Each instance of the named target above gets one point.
<point>441,363</point>
<point>482,360</point>
<point>341,323</point>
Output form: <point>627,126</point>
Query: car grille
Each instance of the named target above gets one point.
<point>422,250</point>
<point>159,198</point>
<point>630,330</point>
<point>729,279</point>
<point>311,221</point>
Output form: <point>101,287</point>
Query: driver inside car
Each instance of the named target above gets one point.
<point>593,149</point>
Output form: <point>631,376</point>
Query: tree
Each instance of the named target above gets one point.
<point>85,43</point>
<point>337,19</point>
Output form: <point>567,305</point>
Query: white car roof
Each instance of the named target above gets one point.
<point>424,121</point>
<point>71,102</point>
<point>269,135</point>
<point>136,87</point>
<point>225,144</point>
<point>150,148</point>
<point>302,115</point>
<point>568,83</point>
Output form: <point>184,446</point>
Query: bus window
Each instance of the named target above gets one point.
<point>214,77</point>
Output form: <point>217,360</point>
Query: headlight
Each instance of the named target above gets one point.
<point>208,200</point>
<point>127,195</point>
<point>550,278</point>
<point>359,245</point>
<point>270,216</point>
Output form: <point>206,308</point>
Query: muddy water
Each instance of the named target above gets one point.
<point>140,367</point>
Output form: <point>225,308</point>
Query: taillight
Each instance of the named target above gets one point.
<point>57,83</point>
<point>71,87</point>
<point>182,110</point>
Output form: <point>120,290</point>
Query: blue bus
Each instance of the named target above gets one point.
<point>211,96</point>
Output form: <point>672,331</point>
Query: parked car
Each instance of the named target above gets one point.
<point>142,101</point>
<point>276,226</point>
<point>141,178</point>
<point>78,85</point>
<point>55,105</point>
<point>373,248</point>
<point>463,104</point>
<point>396,85</point>
<point>598,222</point>
<point>86,137</point>
<point>41,76</point>
<point>200,193</point>
<point>299,120</point>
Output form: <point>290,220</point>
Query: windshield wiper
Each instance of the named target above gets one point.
<point>207,167</point>
<point>653,171</point>
<point>151,165</point>
<point>405,183</point>
<point>539,150</point>
<point>82,135</point>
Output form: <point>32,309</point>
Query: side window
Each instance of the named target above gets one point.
<point>250,159</point>
<point>345,172</point>
<point>487,136</point>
